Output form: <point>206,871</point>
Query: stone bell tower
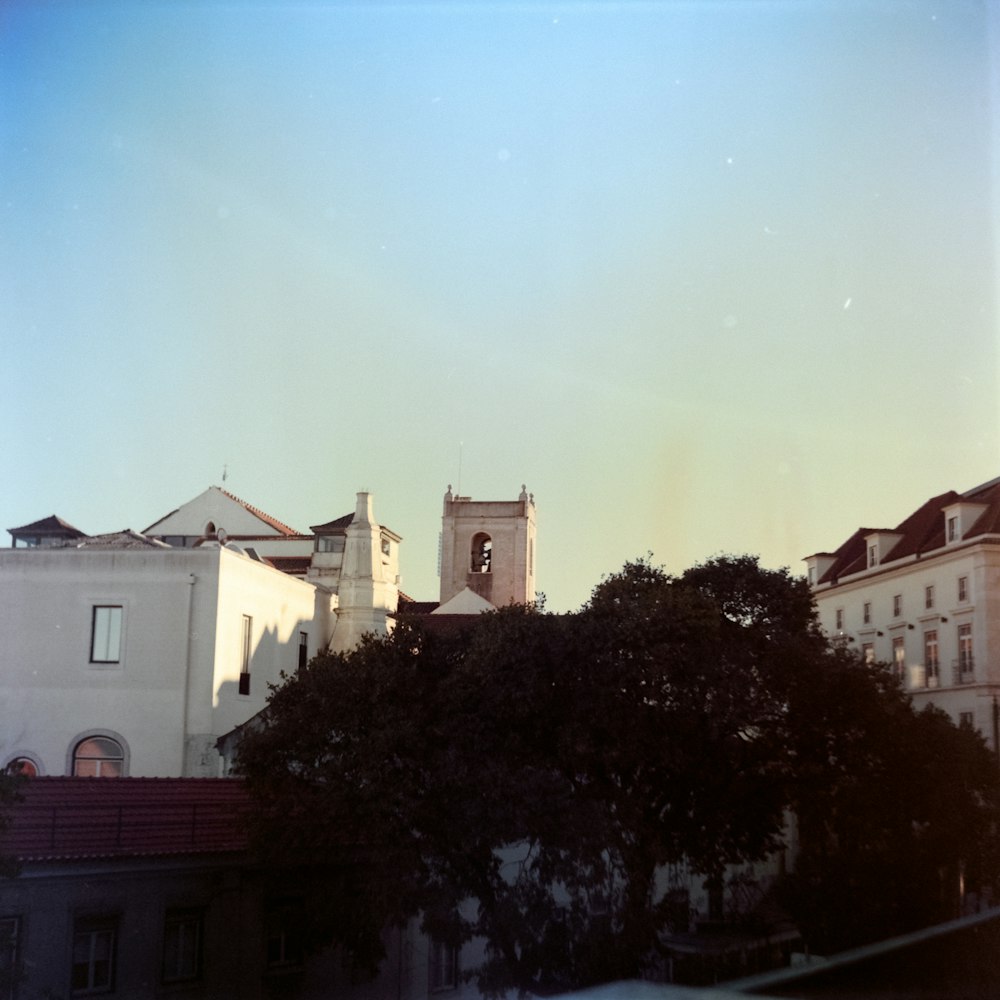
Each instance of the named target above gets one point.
<point>489,547</point>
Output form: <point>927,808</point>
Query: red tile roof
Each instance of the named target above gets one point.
<point>279,526</point>
<point>76,818</point>
<point>922,532</point>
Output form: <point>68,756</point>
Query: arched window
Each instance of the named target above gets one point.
<point>98,757</point>
<point>482,553</point>
<point>23,765</point>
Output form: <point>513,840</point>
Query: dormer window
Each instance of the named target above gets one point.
<point>880,545</point>
<point>959,520</point>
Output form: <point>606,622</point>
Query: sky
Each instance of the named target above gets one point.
<point>707,277</point>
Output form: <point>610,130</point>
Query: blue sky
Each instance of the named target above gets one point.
<point>707,277</point>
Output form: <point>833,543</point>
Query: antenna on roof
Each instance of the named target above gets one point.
<point>458,492</point>
<point>225,472</point>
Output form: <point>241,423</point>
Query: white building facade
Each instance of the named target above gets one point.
<point>125,655</point>
<point>925,597</point>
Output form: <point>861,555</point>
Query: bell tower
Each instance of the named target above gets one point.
<point>489,547</point>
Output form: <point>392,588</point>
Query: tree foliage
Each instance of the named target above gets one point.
<point>11,783</point>
<point>546,766</point>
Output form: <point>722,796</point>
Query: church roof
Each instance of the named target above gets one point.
<point>273,522</point>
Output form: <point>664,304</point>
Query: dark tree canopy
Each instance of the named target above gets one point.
<point>546,766</point>
<point>11,783</point>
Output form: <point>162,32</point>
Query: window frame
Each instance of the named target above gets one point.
<point>246,653</point>
<point>91,928</point>
<point>179,919</point>
<point>442,966</point>
<point>932,658</point>
<point>103,656</point>
<point>963,589</point>
<point>897,605</point>
<point>966,658</point>
<point>899,656</point>
<point>82,738</point>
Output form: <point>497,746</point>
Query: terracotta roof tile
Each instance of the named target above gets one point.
<point>922,531</point>
<point>74,818</point>
<point>266,518</point>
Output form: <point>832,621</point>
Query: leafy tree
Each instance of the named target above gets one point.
<point>897,813</point>
<point>11,782</point>
<point>545,767</point>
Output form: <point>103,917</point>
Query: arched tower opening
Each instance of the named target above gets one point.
<point>482,553</point>
<point>488,547</point>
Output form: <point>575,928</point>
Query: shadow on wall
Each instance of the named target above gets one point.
<point>262,660</point>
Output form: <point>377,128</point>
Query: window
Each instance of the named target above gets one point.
<point>952,529</point>
<point>246,637</point>
<point>106,634</point>
<point>897,605</point>
<point>9,932</point>
<point>303,649</point>
<point>868,652</point>
<point>965,664</point>
<point>331,543</point>
<point>182,943</point>
<point>98,757</point>
<point>94,943</point>
<point>866,612</point>
<point>899,656</point>
<point>872,556</point>
<point>963,588</point>
<point>284,935</point>
<point>965,720</point>
<point>385,546</point>
<point>931,663</point>
<point>443,966</point>
<point>928,597</point>
<point>839,619</point>
<point>25,766</point>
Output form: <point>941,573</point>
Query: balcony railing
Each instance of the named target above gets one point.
<point>963,671</point>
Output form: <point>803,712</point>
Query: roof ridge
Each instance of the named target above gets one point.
<point>257,512</point>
